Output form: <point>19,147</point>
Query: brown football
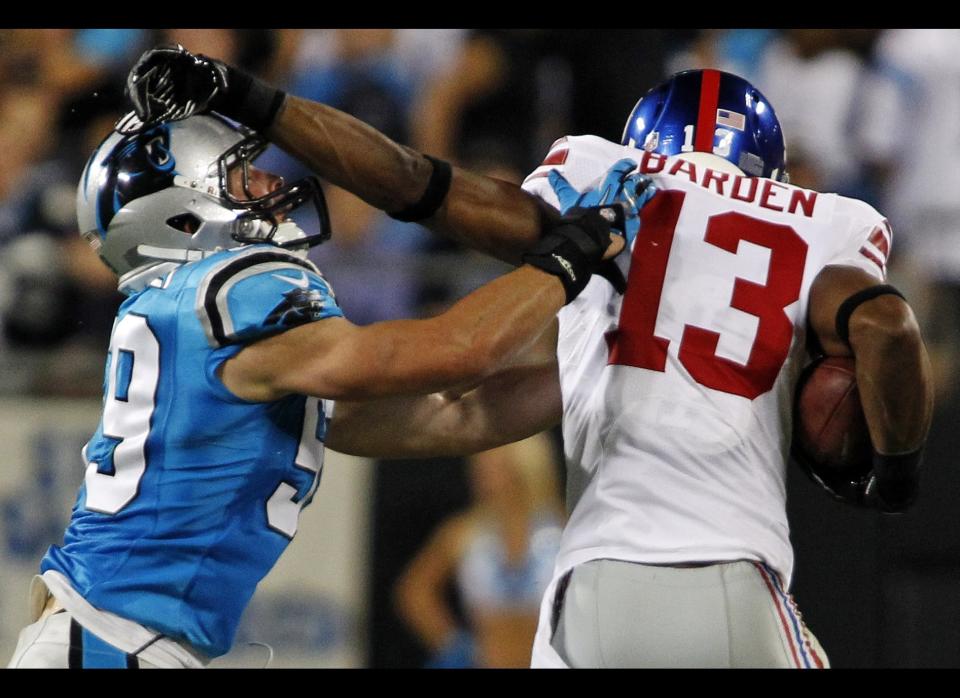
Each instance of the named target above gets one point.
<point>828,423</point>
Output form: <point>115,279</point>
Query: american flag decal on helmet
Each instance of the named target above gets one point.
<point>877,246</point>
<point>731,119</point>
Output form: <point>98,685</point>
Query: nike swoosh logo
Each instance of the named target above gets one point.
<point>302,282</point>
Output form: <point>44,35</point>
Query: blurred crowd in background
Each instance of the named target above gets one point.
<point>873,114</point>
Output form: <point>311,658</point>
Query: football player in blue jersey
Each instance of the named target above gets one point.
<point>503,220</point>
<point>222,369</point>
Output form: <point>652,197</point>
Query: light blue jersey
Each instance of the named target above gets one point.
<point>191,494</point>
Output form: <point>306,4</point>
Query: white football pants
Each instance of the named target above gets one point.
<point>623,614</point>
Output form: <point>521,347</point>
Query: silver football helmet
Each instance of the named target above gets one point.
<point>154,198</point>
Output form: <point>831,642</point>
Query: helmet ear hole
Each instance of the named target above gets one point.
<point>185,222</point>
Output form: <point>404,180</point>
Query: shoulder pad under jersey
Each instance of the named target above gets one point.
<point>261,291</point>
<point>866,239</point>
<point>582,160</point>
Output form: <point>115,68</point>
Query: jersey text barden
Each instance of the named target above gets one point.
<point>765,193</point>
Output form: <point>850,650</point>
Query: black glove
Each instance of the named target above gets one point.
<point>857,488</point>
<point>169,83</point>
<point>573,248</point>
<point>890,485</point>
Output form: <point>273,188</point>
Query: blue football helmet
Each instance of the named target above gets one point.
<point>710,111</point>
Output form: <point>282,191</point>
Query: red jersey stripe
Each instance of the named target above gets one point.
<point>557,157</point>
<point>879,240</point>
<point>872,257</point>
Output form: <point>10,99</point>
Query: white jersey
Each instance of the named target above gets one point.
<point>677,395</point>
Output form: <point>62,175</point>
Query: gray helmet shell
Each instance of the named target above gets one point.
<point>138,190</point>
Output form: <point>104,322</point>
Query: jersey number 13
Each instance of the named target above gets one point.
<point>635,342</point>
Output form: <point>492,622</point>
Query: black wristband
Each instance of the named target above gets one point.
<point>572,248</point>
<point>853,302</point>
<point>898,479</point>
<point>559,255</point>
<point>432,197</point>
<point>248,99</point>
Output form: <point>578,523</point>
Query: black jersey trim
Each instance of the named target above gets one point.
<point>75,654</point>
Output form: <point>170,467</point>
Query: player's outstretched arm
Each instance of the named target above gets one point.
<point>474,339</point>
<point>511,405</point>
<point>487,214</point>
<point>893,371</point>
<point>335,359</point>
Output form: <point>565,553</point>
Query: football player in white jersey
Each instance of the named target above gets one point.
<point>675,387</point>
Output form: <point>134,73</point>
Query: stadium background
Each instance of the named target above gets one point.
<point>869,113</point>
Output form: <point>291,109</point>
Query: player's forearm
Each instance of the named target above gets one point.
<point>351,154</point>
<point>893,374</point>
<point>418,426</point>
<point>509,406</point>
<point>471,341</point>
<point>493,324</point>
<point>480,212</point>
<point>492,216</point>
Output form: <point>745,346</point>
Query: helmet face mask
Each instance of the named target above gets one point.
<point>709,111</point>
<point>163,195</point>
<point>272,207</point>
